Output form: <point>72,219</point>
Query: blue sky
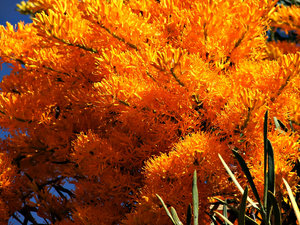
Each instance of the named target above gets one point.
<point>8,13</point>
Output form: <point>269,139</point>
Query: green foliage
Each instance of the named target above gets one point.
<point>268,209</point>
<point>173,215</point>
<point>289,2</point>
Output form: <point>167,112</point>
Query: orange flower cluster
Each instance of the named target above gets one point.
<point>125,99</point>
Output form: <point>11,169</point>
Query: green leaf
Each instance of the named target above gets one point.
<point>279,125</point>
<point>266,128</point>
<point>195,199</point>
<point>265,158</point>
<point>224,218</point>
<point>293,201</point>
<point>276,123</point>
<point>283,127</point>
<point>291,125</point>
<point>249,220</point>
<point>242,211</point>
<point>276,211</point>
<point>213,219</point>
<point>175,217</point>
<point>271,168</point>
<point>165,207</point>
<point>269,210</point>
<point>225,212</point>
<point>249,177</point>
<point>189,215</point>
<point>236,182</point>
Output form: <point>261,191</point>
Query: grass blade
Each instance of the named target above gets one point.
<point>166,208</point>
<point>249,220</point>
<point>279,125</point>
<point>277,215</point>
<point>292,127</point>
<point>265,128</point>
<point>265,159</point>
<point>224,218</point>
<point>249,177</point>
<point>225,211</point>
<point>293,201</point>
<point>236,182</point>
<point>283,127</point>
<point>189,215</point>
<point>175,217</point>
<point>242,211</point>
<point>271,168</point>
<point>195,199</point>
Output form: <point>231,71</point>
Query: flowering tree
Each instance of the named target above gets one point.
<point>126,98</point>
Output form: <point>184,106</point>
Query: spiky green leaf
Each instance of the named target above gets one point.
<point>293,201</point>
<point>236,182</point>
<point>224,218</point>
<point>189,215</point>
<point>166,208</point>
<point>271,168</point>
<point>225,212</point>
<point>276,211</point>
<point>279,125</point>
<point>175,217</point>
<point>292,127</point>
<point>242,211</point>
<point>265,158</point>
<point>195,199</point>
<point>249,220</point>
<point>249,177</point>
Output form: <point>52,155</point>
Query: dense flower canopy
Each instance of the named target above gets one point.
<point>125,99</point>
